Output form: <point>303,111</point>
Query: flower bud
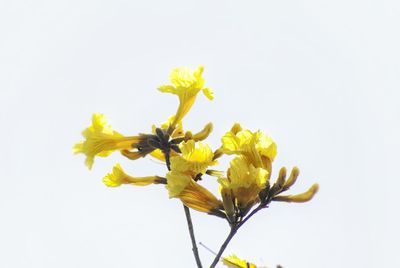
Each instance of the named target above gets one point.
<point>299,198</point>
<point>292,178</point>
<point>203,134</point>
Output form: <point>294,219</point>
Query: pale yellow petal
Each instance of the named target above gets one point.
<point>168,89</point>
<point>195,158</point>
<point>266,146</point>
<point>116,177</point>
<point>244,181</point>
<point>182,77</point>
<point>191,193</point>
<point>186,84</point>
<point>230,143</point>
<point>235,262</point>
<point>176,183</point>
<point>158,154</point>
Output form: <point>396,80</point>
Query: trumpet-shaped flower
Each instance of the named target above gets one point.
<point>102,140</point>
<point>258,147</point>
<point>235,262</point>
<point>186,84</point>
<point>242,185</point>
<point>118,176</point>
<point>191,193</point>
<point>194,159</point>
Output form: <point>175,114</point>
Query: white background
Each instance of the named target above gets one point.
<point>321,77</point>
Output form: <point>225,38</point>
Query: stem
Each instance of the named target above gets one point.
<point>188,218</point>
<point>192,237</point>
<point>167,159</point>
<point>224,245</point>
<point>232,233</point>
<point>250,215</point>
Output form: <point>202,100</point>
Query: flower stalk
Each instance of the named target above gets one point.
<point>232,233</point>
<point>192,237</point>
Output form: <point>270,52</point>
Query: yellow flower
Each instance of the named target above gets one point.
<point>259,148</point>
<point>186,84</point>
<point>118,177</point>
<point>234,262</point>
<point>194,159</point>
<point>102,140</point>
<point>243,184</point>
<point>191,193</point>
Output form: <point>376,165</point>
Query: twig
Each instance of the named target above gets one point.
<point>224,245</point>
<point>167,158</point>
<point>232,233</point>
<point>192,237</point>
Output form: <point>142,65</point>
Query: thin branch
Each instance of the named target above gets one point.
<point>251,215</point>
<point>224,245</point>
<point>232,233</point>
<point>192,237</point>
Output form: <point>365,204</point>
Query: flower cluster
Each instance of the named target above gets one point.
<point>245,186</point>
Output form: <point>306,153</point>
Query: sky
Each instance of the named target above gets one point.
<point>320,77</point>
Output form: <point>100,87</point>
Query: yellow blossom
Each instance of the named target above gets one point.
<point>194,159</point>
<point>118,177</point>
<point>243,184</point>
<point>186,84</point>
<point>191,193</point>
<point>259,148</point>
<point>102,140</point>
<point>234,262</point>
